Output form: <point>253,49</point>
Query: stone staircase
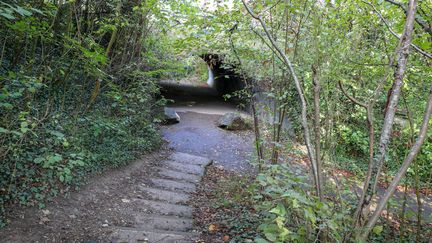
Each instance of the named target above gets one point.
<point>165,215</point>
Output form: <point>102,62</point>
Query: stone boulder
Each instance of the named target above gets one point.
<point>170,116</point>
<point>233,121</point>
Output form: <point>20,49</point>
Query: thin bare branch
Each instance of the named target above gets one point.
<point>418,49</point>
<point>354,100</point>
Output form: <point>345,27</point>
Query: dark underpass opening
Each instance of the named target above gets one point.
<point>217,93</point>
<point>222,80</point>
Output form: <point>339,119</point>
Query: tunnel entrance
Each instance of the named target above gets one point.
<point>217,79</point>
<point>222,76</point>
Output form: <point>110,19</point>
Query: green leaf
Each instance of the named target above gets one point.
<point>24,127</point>
<point>79,162</point>
<point>8,16</point>
<point>32,89</point>
<point>38,160</point>
<point>67,171</point>
<point>17,133</point>
<point>3,130</point>
<point>260,240</point>
<point>310,215</point>
<point>7,105</point>
<point>271,232</point>
<point>56,158</point>
<point>37,11</point>
<point>295,203</point>
<point>378,229</point>
<point>52,159</point>
<point>59,135</point>
<point>23,11</point>
<point>279,210</point>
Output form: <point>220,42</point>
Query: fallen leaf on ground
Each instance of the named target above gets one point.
<point>226,238</point>
<point>212,228</point>
<point>46,211</point>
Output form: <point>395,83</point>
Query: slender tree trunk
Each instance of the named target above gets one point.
<point>419,202</point>
<point>402,53</point>
<point>415,149</point>
<point>317,124</point>
<point>402,214</point>
<point>371,133</point>
<point>284,88</point>
<point>114,33</point>
<point>304,119</point>
<point>249,87</point>
<point>416,174</point>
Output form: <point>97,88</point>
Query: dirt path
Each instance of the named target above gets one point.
<point>146,201</point>
<point>85,216</point>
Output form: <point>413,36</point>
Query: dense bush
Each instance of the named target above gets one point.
<point>292,214</point>
<point>78,92</point>
<point>335,70</point>
<point>277,205</point>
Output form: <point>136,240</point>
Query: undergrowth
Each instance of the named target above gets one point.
<point>278,206</point>
<point>47,156</point>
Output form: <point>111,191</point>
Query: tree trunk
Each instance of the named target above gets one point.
<point>402,53</point>
<point>304,119</point>
<point>415,149</point>
<point>317,124</point>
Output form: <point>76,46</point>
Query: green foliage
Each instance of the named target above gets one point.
<point>236,201</point>
<point>276,206</point>
<point>292,214</point>
<point>346,42</point>
<point>69,107</point>
<point>53,153</point>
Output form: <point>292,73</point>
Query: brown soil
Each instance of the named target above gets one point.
<point>86,215</point>
<point>208,212</point>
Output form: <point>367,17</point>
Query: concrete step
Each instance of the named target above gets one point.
<point>161,222</point>
<point>173,185</point>
<point>131,235</point>
<point>164,217</point>
<point>186,168</point>
<point>164,208</point>
<point>166,195</point>
<point>189,159</point>
<point>173,174</point>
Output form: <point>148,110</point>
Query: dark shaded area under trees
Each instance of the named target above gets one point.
<point>78,91</point>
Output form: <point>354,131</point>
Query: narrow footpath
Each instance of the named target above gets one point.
<point>147,200</point>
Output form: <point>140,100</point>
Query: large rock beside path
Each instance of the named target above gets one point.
<point>233,121</point>
<point>170,116</point>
